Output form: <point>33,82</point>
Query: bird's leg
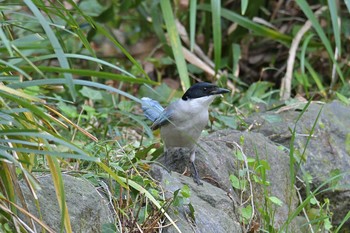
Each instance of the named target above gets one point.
<point>165,155</point>
<point>195,174</point>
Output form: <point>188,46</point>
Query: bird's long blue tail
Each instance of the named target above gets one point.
<point>151,108</point>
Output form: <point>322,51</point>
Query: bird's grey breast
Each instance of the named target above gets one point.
<point>188,119</point>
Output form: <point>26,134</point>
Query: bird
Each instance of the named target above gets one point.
<point>182,121</point>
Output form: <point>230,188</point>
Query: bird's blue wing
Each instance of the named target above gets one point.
<point>155,112</point>
<point>151,108</point>
<point>163,119</point>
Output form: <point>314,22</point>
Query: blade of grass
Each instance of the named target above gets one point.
<point>157,23</point>
<point>244,6</point>
<point>72,123</point>
<point>30,106</point>
<point>316,25</point>
<point>88,19</point>
<point>58,184</point>
<point>347,3</point>
<point>345,219</point>
<point>81,72</point>
<point>24,57</point>
<point>77,82</point>
<point>88,58</point>
<point>302,205</point>
<point>303,52</point>
<point>54,138</point>
<point>51,153</point>
<point>315,76</point>
<point>332,5</point>
<point>6,42</point>
<point>73,24</point>
<point>9,65</point>
<point>55,45</point>
<point>193,14</point>
<point>42,224</point>
<point>175,43</point>
<point>216,20</point>
<point>143,123</point>
<point>250,25</point>
<point>20,94</point>
<point>141,190</point>
<point>291,146</point>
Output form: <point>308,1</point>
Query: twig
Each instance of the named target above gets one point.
<point>334,70</point>
<point>304,211</point>
<point>277,8</point>
<point>286,84</point>
<point>250,183</point>
<point>197,50</point>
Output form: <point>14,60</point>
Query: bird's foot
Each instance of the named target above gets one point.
<point>197,180</point>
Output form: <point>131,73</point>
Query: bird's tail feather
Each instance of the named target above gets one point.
<point>151,108</point>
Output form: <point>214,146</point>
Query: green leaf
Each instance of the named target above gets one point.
<point>246,212</point>
<point>125,105</point>
<point>272,118</point>
<point>327,224</point>
<point>68,110</point>
<point>92,7</point>
<point>155,193</point>
<point>109,228</point>
<point>185,191</point>
<point>313,201</point>
<point>276,201</point>
<point>235,181</point>
<point>263,164</point>
<point>238,154</point>
<point>229,121</point>
<point>192,212</point>
<point>336,172</point>
<point>91,93</point>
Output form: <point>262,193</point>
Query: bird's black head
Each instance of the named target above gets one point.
<point>203,89</point>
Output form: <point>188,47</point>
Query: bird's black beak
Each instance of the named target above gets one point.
<point>218,91</point>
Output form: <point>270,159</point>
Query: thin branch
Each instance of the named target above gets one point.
<point>286,84</point>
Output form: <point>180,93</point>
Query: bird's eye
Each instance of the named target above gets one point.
<point>204,89</point>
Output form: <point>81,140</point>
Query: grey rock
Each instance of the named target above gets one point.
<point>214,210</point>
<point>327,151</point>
<point>88,210</point>
<point>215,162</point>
